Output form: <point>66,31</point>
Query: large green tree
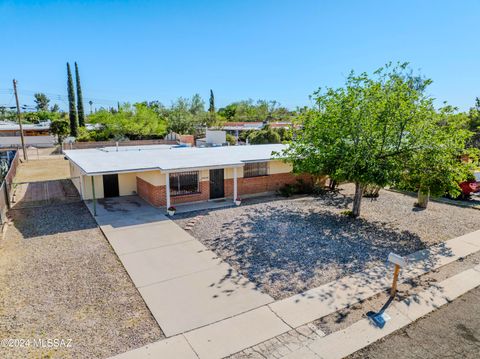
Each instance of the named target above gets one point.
<point>80,110</point>
<point>138,121</point>
<point>474,123</point>
<point>72,112</point>
<point>60,128</point>
<point>439,165</point>
<point>362,132</point>
<point>41,101</point>
<point>264,136</point>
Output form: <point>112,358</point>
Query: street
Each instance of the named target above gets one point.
<point>453,331</point>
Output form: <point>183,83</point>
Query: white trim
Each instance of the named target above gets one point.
<point>167,188</point>
<point>234,184</point>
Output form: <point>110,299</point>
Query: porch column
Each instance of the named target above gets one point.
<point>167,187</point>
<point>234,183</point>
<point>93,196</point>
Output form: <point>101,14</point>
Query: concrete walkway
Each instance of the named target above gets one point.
<point>185,285</point>
<point>293,314</point>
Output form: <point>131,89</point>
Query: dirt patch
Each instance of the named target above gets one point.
<point>61,279</point>
<point>288,246</point>
<point>43,170</point>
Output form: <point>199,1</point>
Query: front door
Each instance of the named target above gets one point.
<point>216,184</point>
<point>110,186</point>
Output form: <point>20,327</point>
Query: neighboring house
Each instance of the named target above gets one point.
<point>34,134</point>
<point>8,129</point>
<point>167,175</point>
<point>234,128</point>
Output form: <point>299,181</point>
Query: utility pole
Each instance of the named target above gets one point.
<point>25,157</point>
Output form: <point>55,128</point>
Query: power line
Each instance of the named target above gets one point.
<point>60,97</point>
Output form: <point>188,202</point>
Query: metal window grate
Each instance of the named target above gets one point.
<point>255,169</point>
<point>184,183</point>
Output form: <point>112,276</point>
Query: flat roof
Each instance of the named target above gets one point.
<point>168,158</point>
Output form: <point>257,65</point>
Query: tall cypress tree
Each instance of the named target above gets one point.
<point>211,108</point>
<point>72,112</point>
<point>81,113</point>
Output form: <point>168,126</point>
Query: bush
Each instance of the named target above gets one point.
<point>300,187</point>
<point>231,139</point>
<point>264,137</point>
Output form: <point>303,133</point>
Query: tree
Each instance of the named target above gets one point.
<point>232,141</point>
<point>55,108</point>
<point>211,111</point>
<point>437,167</point>
<point>41,101</point>
<point>264,136</point>
<point>72,113</point>
<point>474,124</point>
<point>211,107</point>
<point>259,111</point>
<point>31,117</point>
<point>363,132</point>
<point>80,111</point>
<point>136,121</point>
<point>60,128</point>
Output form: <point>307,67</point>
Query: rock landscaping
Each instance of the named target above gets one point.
<point>60,279</point>
<point>286,246</point>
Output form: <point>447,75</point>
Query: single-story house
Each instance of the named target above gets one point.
<point>165,175</point>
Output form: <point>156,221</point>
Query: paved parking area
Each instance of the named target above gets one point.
<point>185,285</point>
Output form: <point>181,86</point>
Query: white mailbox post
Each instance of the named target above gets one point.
<point>399,261</point>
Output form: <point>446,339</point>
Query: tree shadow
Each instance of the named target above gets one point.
<point>285,251</point>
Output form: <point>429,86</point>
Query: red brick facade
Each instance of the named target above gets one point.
<point>156,195</point>
<point>261,184</point>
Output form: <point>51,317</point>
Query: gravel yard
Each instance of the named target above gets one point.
<point>61,279</point>
<point>287,246</point>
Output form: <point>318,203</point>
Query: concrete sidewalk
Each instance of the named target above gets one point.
<point>293,315</point>
<point>185,285</point>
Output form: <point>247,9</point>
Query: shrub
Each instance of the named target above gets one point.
<point>231,139</point>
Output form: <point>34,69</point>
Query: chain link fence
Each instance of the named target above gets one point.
<point>43,193</point>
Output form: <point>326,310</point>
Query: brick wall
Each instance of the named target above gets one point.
<point>156,195</point>
<point>261,184</point>
<point>204,195</point>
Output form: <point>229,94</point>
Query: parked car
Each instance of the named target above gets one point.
<point>470,187</point>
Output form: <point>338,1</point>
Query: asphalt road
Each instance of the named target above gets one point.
<point>453,331</point>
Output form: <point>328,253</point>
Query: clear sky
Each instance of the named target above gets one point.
<point>259,49</point>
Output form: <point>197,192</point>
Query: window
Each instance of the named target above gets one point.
<point>183,183</point>
<point>255,169</point>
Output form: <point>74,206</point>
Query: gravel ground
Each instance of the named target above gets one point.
<point>287,246</point>
<point>61,279</point>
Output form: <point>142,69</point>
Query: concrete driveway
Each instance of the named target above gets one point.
<point>185,285</point>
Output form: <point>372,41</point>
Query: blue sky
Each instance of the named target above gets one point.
<point>263,49</point>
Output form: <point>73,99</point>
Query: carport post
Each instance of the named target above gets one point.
<point>167,188</point>
<point>234,184</point>
<point>94,199</point>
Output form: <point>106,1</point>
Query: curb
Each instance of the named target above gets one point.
<point>363,333</point>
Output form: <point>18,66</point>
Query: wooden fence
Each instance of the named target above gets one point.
<point>6,188</point>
